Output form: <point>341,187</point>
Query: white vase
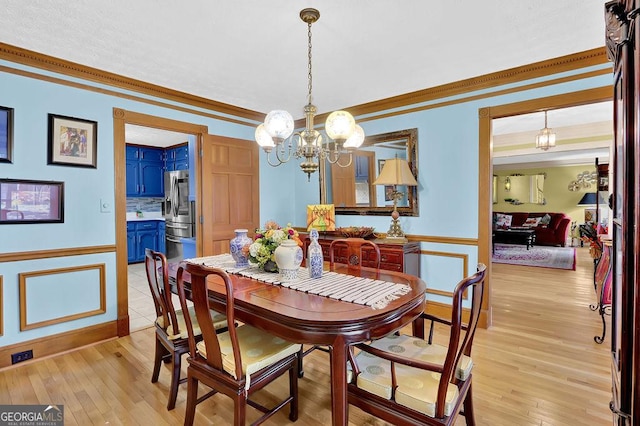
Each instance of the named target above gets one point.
<point>288,258</point>
<point>315,260</point>
<point>235,246</point>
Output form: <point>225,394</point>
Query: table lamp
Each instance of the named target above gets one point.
<point>396,172</point>
<point>591,199</point>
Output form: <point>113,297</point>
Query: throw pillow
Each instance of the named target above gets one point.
<point>532,222</point>
<point>503,220</point>
<point>546,219</point>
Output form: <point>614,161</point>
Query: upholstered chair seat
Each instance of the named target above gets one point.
<point>257,350</point>
<point>219,322</point>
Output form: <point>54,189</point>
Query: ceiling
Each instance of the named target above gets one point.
<point>253,53</point>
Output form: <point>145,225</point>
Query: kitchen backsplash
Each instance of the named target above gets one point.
<point>145,205</point>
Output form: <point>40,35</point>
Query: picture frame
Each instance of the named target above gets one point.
<point>72,142</point>
<point>6,134</point>
<point>321,217</point>
<point>589,215</point>
<point>381,165</point>
<point>31,201</point>
<point>388,192</point>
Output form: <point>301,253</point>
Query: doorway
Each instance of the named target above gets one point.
<point>485,178</point>
<point>121,119</point>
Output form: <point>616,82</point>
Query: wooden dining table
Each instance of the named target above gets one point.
<point>306,318</point>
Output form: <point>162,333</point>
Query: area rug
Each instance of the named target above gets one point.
<point>542,256</point>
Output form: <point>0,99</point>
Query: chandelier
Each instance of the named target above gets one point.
<point>276,133</point>
<point>545,139</point>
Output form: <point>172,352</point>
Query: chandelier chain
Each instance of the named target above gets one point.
<point>310,76</point>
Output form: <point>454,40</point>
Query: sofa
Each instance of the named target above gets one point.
<point>552,229</point>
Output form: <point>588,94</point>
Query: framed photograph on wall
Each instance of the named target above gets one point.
<point>72,141</point>
<point>6,134</point>
<point>31,201</point>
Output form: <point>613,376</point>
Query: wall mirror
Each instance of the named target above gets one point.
<point>521,189</point>
<point>351,188</point>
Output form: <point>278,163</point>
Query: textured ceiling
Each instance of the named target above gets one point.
<point>253,53</point>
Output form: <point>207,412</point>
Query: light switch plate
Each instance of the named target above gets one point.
<point>105,206</point>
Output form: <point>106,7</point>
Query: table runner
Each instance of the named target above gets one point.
<point>348,288</point>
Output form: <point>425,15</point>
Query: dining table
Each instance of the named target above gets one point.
<point>300,316</point>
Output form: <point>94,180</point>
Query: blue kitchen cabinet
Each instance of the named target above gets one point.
<point>151,179</point>
<point>147,239</point>
<point>142,235</point>
<point>162,243</point>
<point>144,171</point>
<point>131,242</point>
<point>177,158</point>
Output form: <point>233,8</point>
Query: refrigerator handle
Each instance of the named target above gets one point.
<point>176,197</point>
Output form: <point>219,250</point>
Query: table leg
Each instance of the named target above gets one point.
<point>339,406</point>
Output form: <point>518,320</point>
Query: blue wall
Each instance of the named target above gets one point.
<point>448,183</point>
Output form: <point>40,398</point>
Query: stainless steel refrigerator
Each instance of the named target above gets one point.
<point>179,213</point>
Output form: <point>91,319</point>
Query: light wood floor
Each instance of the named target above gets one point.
<point>538,365</point>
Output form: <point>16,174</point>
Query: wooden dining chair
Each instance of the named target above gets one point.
<point>238,362</point>
<point>406,380</point>
<point>347,251</point>
<point>350,251</point>
<point>171,333</point>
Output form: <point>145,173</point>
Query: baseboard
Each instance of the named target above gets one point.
<point>57,343</point>
<point>443,310</point>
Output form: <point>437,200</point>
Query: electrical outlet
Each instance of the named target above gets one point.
<point>21,356</point>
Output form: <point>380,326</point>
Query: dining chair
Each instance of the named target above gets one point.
<point>171,333</point>
<point>348,251</point>
<point>406,380</point>
<point>238,362</point>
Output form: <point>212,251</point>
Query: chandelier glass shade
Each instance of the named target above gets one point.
<point>546,138</point>
<point>276,135</point>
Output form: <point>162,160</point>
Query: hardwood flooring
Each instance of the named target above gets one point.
<point>538,365</point>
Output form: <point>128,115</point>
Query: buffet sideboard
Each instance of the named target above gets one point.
<point>400,257</point>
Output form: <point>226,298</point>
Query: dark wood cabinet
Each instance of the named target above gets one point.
<point>393,257</point>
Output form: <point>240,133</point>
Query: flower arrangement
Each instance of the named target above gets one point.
<point>261,251</point>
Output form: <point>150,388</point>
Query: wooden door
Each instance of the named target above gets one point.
<point>230,192</point>
<point>343,185</point>
<point>622,48</point>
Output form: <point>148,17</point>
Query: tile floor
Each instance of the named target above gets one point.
<point>142,313</point>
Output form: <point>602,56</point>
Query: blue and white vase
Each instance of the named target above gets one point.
<point>315,259</point>
<point>235,246</point>
<point>288,258</point>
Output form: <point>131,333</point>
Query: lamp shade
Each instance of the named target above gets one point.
<point>396,171</point>
<point>589,199</point>
<point>340,125</point>
<point>279,124</point>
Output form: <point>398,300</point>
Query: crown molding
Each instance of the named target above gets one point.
<point>545,68</point>
<point>72,69</point>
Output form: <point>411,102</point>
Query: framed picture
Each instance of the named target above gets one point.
<point>321,217</point>
<point>388,192</point>
<point>6,134</point>
<point>72,141</point>
<point>31,201</point>
<point>380,165</point>
<point>589,215</point>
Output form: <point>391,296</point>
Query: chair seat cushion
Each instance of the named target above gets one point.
<point>258,349</point>
<point>219,321</point>
<point>417,388</point>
